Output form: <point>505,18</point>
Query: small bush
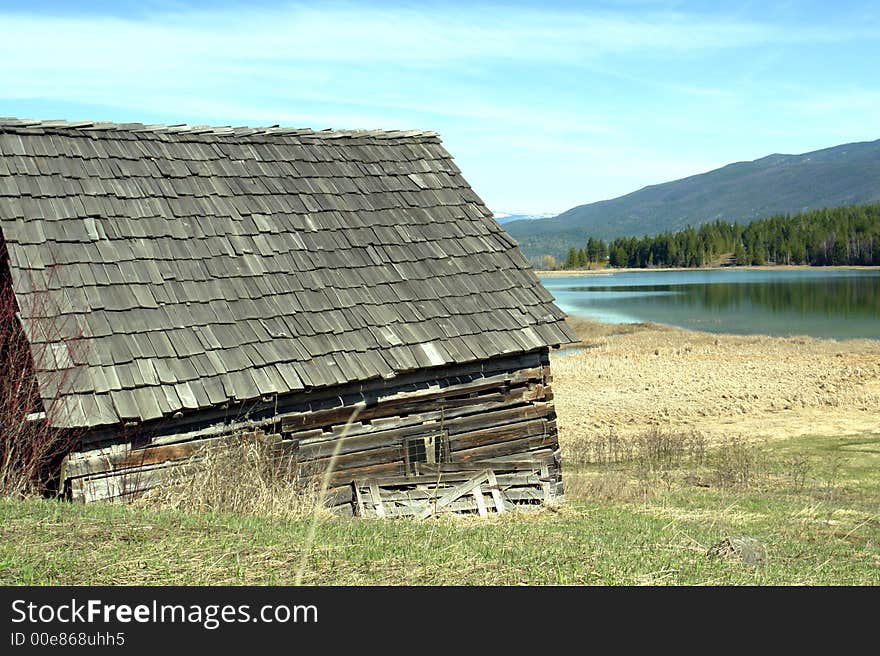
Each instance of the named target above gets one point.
<point>797,470</point>
<point>655,450</point>
<point>661,451</point>
<point>828,488</point>
<point>630,467</point>
<point>738,464</point>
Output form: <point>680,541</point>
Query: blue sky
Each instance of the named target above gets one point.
<point>544,105</point>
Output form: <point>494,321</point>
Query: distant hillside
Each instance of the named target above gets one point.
<point>508,217</point>
<point>833,177</point>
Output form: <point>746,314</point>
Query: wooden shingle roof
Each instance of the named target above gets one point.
<point>184,268</point>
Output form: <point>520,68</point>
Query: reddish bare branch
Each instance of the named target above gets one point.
<point>36,375</point>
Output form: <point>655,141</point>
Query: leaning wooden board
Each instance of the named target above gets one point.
<point>492,487</point>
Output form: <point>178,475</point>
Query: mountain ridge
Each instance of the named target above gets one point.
<point>508,217</point>
<point>743,191</point>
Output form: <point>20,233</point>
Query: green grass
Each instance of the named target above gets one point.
<point>815,504</point>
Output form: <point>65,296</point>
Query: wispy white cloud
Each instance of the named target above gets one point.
<point>306,47</point>
<point>339,53</point>
<point>557,103</point>
<point>343,32</point>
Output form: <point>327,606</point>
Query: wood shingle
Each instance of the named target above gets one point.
<point>198,266</point>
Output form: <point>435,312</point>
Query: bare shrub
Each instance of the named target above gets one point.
<point>245,475</point>
<point>797,470</point>
<point>31,444</point>
<point>738,464</point>
<point>828,488</point>
<point>657,450</point>
<point>654,450</point>
<point>630,467</point>
<point>597,450</point>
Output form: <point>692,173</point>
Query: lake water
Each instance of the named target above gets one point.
<point>838,303</point>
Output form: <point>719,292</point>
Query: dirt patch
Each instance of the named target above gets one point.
<point>629,379</point>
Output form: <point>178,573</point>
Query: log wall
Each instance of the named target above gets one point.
<point>497,409</point>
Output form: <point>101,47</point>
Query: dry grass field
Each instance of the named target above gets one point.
<point>633,378</point>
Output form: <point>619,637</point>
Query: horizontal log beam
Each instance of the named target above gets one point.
<point>407,402</point>
<point>522,446</point>
<point>460,408</point>
<point>507,432</point>
<point>122,456</point>
<point>376,439</point>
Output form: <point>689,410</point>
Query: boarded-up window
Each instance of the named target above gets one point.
<point>430,449</point>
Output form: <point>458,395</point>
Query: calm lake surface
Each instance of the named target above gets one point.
<point>836,303</point>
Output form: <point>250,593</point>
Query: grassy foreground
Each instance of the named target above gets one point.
<point>811,502</point>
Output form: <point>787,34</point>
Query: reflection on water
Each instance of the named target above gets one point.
<point>817,302</point>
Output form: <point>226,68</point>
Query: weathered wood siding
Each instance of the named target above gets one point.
<point>499,408</point>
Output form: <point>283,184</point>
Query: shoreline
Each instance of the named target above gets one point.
<point>607,271</point>
<point>582,324</point>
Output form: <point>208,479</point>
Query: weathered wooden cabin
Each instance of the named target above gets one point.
<point>181,284</point>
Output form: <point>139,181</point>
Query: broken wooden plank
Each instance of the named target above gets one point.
<point>359,499</point>
<point>453,494</point>
<point>127,484</point>
<point>481,502</point>
<point>455,476</point>
<point>524,494</point>
<point>343,476</point>
<point>545,482</point>
<point>522,463</point>
<point>340,495</point>
<point>496,492</point>
<point>124,457</point>
<point>376,498</point>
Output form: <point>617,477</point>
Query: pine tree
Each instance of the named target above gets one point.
<point>844,235</point>
<point>618,257</point>
<point>592,250</point>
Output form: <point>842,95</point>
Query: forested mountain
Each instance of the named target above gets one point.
<point>777,184</point>
<point>838,236</point>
